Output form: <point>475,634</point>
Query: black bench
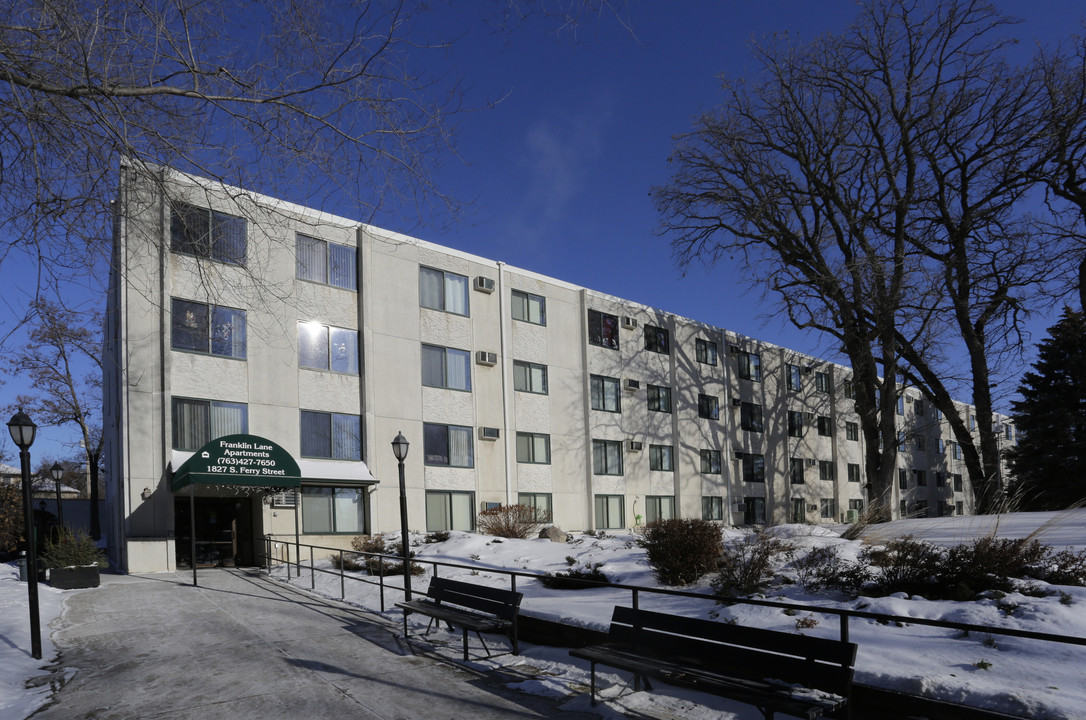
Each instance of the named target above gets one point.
<point>490,609</point>
<point>774,671</point>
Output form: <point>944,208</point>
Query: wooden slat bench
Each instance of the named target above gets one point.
<point>488,609</point>
<point>774,671</point>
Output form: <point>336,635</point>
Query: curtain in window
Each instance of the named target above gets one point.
<point>228,332</point>
<point>311,259</point>
<point>346,437</point>
<point>191,424</point>
<point>349,510</point>
<point>316,437</point>
<point>312,346</point>
<point>228,235</point>
<point>317,510</point>
<point>463,511</point>
<point>344,350</point>
<point>343,267</point>
<point>431,288</point>
<point>438,512</point>
<point>458,363</point>
<point>456,294</point>
<point>460,447</point>
<point>228,419</point>
<point>433,366</point>
<point>188,325</point>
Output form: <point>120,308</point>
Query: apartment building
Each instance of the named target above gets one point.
<point>250,335</point>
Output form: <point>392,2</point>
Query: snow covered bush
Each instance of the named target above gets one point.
<point>824,569</point>
<point>905,564</point>
<point>377,545</point>
<point>681,550</point>
<point>748,565</point>
<point>512,521</point>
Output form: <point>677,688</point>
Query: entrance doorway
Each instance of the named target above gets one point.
<point>224,532</point>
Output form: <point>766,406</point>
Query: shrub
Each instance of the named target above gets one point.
<point>575,579</point>
<point>1066,567</point>
<point>906,565</point>
<point>71,548</point>
<point>988,563</point>
<point>746,566</point>
<point>681,550</point>
<point>376,544</point>
<point>512,521</point>
<point>350,562</point>
<point>438,536</point>
<point>11,518</point>
<point>822,568</point>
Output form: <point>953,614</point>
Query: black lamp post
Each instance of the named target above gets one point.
<point>23,430</point>
<point>57,472</point>
<point>399,448</point>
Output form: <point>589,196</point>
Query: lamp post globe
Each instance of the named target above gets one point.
<point>399,449</point>
<point>23,430</point>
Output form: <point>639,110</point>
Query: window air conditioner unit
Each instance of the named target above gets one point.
<point>484,284</point>
<point>807,369</point>
<point>733,349</point>
<point>740,507</point>
<point>811,462</point>
<point>851,516</point>
<point>808,416</point>
<point>738,454</point>
<point>629,322</point>
<point>811,507</point>
<point>908,398</point>
<point>632,384</point>
<point>483,357</point>
<point>736,402</point>
<point>489,433</point>
<point>633,445</point>
<point>491,505</point>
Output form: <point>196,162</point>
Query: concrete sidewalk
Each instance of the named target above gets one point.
<point>242,646</point>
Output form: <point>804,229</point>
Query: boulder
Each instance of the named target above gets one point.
<point>553,533</point>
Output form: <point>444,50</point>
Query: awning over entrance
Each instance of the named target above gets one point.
<point>245,460</point>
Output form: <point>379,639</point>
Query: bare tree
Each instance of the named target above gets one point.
<point>60,342</point>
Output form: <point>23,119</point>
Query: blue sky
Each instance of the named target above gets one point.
<point>557,175</point>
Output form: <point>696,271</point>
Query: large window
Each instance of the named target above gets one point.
<point>710,462</point>
<point>529,377</point>
<point>609,512</point>
<point>333,510</point>
<point>533,448</point>
<point>828,507</point>
<point>661,457</point>
<point>446,368</point>
<point>449,445</point>
<point>753,467</point>
<point>541,502</point>
<point>854,472</point>
<point>603,329</point>
<point>825,470</point>
<point>198,422</point>
<point>750,417</point>
<point>657,340</point>
<point>333,436</point>
<point>825,426</point>
<point>326,263</point>
<point>852,431</point>
<point>207,234</point>
<point>822,382</point>
<point>327,348</point>
<point>659,398</point>
<point>203,328</point>
<point>750,366</point>
<point>708,407</point>
<point>794,373</point>
<point>606,457</point>
<point>795,471</point>
<point>705,351</point>
<point>659,507</point>
<point>449,510</point>
<point>795,423</point>
<point>754,512</point>
<point>848,389</point>
<point>529,308</point>
<point>712,507</point>
<point>605,394</point>
<point>439,290</point>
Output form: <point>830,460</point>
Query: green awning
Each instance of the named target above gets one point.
<point>239,460</point>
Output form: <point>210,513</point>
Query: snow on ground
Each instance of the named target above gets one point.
<point>1034,679</point>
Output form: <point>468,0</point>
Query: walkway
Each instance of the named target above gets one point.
<point>241,646</point>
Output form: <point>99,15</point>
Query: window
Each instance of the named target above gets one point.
<point>857,505</point>
<point>334,510</point>
<point>659,398</point>
<point>327,348</point>
<point>529,308</point>
<point>753,468</point>
<point>207,234</point>
<point>854,472</point>
<point>705,351</point>
<point>609,512</point>
<point>940,444</point>
<point>449,445</point>
<point>828,507</point>
<point>534,448</point>
<point>446,368</point>
<point>795,423</point>
<point>903,509</point>
<point>955,450</point>
<point>921,478</point>
<point>959,508</point>
<point>750,417</point>
<point>541,502</point>
<point>945,508</point>
<point>605,394</point>
<point>326,263</point>
<point>602,329</point>
<point>440,290</point>
<point>710,462</point>
<point>529,377</point>
<point>750,366</point>
<point>708,407</point>
<point>900,404</point>
<point>209,329</point>
<point>848,389</point>
<point>920,510</point>
<point>794,373</point>
<point>754,512</point>
<point>852,431</point>
<point>795,471</point>
<point>921,444</point>
<point>957,483</point>
<point>659,507</point>
<point>657,340</point>
<point>660,457</point>
<point>448,510</point>
<point>971,419</point>
<point>825,471</point>
<point>919,408</point>
<point>825,427</point>
<point>900,439</point>
<point>822,382</point>
<point>606,457</point>
<point>799,511</point>
<point>712,507</point>
<point>198,422</point>
<point>331,436</point>
<point>902,479</point>
<point>940,478</point>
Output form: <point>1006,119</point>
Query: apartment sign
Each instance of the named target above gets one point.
<point>239,460</point>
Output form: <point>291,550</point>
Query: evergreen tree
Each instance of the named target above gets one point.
<point>1051,417</point>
